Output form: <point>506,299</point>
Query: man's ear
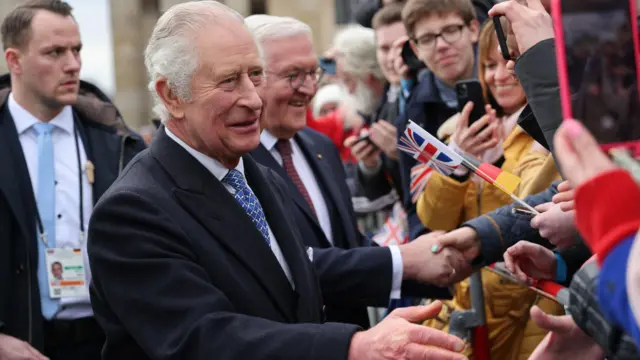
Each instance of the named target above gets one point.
<point>171,101</point>
<point>12,57</point>
<point>474,28</point>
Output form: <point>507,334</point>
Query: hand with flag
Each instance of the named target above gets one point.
<point>427,149</point>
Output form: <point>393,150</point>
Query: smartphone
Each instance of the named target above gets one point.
<point>597,55</point>
<point>502,38</point>
<point>327,65</point>
<point>471,90</point>
<point>365,137</point>
<point>523,211</point>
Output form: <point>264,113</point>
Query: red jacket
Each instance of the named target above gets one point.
<point>332,125</point>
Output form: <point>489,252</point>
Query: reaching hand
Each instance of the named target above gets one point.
<point>16,349</point>
<point>565,340</point>
<point>475,140</point>
<point>397,338</point>
<point>579,154</point>
<point>529,261</point>
<point>556,225</point>
<point>528,24</point>
<point>464,239</point>
<point>565,196</point>
<point>422,264</point>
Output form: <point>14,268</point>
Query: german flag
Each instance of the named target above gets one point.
<point>501,179</point>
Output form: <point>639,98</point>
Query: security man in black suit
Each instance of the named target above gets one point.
<point>88,146</point>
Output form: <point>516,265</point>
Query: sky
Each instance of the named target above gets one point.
<point>94,19</point>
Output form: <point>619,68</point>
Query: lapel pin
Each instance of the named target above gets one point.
<point>319,156</point>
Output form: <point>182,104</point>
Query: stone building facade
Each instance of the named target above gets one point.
<point>132,22</point>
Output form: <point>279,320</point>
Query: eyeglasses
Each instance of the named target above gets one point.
<point>450,34</point>
<point>298,77</point>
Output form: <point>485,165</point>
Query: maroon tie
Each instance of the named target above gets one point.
<point>284,147</point>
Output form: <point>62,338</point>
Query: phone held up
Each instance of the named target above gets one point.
<point>327,65</point>
<point>597,54</point>
<point>502,38</point>
<point>470,90</point>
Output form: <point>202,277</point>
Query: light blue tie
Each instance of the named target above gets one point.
<point>248,200</point>
<point>46,200</point>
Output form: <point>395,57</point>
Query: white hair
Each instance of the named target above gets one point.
<point>171,52</point>
<point>266,27</point>
<point>331,93</point>
<point>357,46</point>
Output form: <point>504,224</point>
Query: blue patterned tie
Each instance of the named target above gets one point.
<point>248,200</point>
<point>46,200</point>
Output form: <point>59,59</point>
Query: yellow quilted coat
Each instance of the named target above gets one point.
<point>447,203</point>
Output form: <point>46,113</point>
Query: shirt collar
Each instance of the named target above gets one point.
<point>268,140</point>
<point>211,164</point>
<point>24,120</point>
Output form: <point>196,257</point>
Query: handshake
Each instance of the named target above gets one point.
<point>440,258</point>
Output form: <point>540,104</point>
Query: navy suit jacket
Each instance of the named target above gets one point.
<point>181,272</point>
<point>369,268</point>
<point>324,160</point>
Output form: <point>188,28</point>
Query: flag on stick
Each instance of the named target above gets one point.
<point>425,148</point>
<point>493,174</point>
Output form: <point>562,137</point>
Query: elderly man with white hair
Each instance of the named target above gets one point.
<point>311,168</point>
<point>193,249</point>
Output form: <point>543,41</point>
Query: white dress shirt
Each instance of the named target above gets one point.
<point>67,189</point>
<point>306,175</point>
<point>317,198</point>
<point>220,172</point>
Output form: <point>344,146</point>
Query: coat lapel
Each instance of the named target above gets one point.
<point>15,184</point>
<point>206,199</point>
<point>325,175</point>
<point>262,155</point>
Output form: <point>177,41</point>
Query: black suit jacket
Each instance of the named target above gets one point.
<point>20,308</point>
<point>181,272</point>
<point>324,160</point>
<point>360,275</point>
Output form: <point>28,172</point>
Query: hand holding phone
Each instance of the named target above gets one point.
<point>597,54</point>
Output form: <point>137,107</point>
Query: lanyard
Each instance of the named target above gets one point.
<point>43,234</point>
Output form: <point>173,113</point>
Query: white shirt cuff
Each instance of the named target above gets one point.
<point>396,278</point>
<point>367,172</point>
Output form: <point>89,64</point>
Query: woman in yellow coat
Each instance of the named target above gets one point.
<point>448,201</point>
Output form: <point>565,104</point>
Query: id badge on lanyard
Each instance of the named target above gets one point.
<point>66,273</point>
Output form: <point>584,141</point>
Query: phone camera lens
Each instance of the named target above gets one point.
<point>462,91</point>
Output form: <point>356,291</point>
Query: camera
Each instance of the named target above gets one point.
<point>462,90</point>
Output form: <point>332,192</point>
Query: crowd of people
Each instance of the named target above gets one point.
<point>268,213</point>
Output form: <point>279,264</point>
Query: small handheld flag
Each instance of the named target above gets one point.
<point>425,148</point>
<point>420,174</point>
<point>493,174</point>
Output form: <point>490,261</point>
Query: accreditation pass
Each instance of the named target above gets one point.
<point>66,273</point>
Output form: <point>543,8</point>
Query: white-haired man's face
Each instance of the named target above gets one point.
<point>222,117</point>
<point>291,84</point>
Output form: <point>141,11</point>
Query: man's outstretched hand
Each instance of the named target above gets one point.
<point>398,337</point>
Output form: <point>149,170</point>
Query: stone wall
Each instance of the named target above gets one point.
<point>132,22</point>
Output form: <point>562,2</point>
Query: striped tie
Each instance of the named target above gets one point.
<point>286,151</point>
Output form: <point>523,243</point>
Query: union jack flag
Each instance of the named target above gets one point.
<point>394,231</point>
<point>427,149</point>
<point>419,176</point>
